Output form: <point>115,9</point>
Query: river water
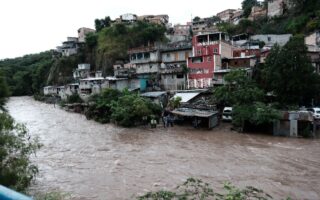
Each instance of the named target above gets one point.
<point>93,161</point>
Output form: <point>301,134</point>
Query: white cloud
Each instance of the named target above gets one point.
<point>37,25</point>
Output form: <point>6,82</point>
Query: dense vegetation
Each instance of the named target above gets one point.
<point>16,170</point>
<point>26,75</point>
<point>111,43</point>
<point>199,190</point>
<point>287,76</point>
<point>124,108</point>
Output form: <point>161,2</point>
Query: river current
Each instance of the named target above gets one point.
<point>93,161</point>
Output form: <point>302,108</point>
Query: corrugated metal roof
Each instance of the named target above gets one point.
<point>185,97</point>
<point>152,94</point>
<point>190,112</point>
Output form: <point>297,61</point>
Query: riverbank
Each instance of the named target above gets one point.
<point>94,161</point>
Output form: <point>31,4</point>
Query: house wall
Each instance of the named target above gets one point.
<point>147,68</point>
<point>246,52</point>
<point>175,56</point>
<point>82,32</point>
<point>273,39</point>
<point>69,52</point>
<point>226,50</point>
<point>144,57</point>
<point>173,81</point>
<point>313,39</point>
<point>226,15</point>
<point>52,90</point>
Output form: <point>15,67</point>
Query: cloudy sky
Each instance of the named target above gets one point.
<point>32,26</point>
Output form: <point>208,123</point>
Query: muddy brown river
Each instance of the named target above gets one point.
<point>93,161</point>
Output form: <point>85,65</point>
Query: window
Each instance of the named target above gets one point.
<point>215,50</point>
<point>146,55</point>
<point>199,52</point>
<point>197,60</point>
<point>179,75</point>
<point>209,59</point>
<point>168,55</point>
<point>269,39</point>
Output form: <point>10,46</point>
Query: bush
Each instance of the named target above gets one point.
<point>74,98</point>
<point>197,189</point>
<point>16,170</point>
<point>130,109</point>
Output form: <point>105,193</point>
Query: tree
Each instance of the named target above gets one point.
<point>4,91</point>
<point>247,5</point>
<point>130,109</point>
<point>196,19</point>
<point>102,23</point>
<point>246,98</point>
<point>16,170</point>
<point>290,75</point>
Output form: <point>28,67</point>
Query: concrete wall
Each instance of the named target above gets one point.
<point>147,68</point>
<point>313,39</point>
<point>226,50</point>
<point>273,39</point>
<point>175,56</point>
<point>172,82</point>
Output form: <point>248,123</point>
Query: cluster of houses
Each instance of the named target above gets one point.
<point>197,57</point>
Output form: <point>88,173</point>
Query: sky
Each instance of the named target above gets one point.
<point>33,26</point>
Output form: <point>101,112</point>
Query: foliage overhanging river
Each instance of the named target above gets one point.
<point>94,161</point>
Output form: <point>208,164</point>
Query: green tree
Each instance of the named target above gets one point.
<point>102,23</point>
<point>196,19</point>
<point>16,170</point>
<point>100,105</point>
<point>290,75</point>
<point>246,98</point>
<point>130,109</point>
<point>4,90</point>
<point>247,5</point>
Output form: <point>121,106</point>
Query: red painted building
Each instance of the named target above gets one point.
<point>207,51</point>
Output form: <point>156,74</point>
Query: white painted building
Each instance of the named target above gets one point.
<point>50,90</point>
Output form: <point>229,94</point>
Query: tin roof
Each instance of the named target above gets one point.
<point>190,112</point>
<point>153,94</point>
<point>185,97</point>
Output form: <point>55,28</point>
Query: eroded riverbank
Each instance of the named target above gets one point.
<point>94,161</point>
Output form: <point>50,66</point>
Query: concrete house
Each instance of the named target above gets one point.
<point>89,86</point>
<point>83,71</point>
<point>257,12</point>
<point>71,89</point>
<point>313,41</point>
<point>226,15</point>
<point>69,47</point>
<point>203,25</point>
<point>146,61</point>
<point>271,39</point>
<point>174,58</point>
<point>243,63</point>
<point>82,32</point>
<point>50,90</point>
<point>207,51</point>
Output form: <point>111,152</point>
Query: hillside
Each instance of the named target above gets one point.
<point>27,75</point>
<point>302,17</point>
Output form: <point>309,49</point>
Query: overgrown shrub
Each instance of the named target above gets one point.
<point>16,145</point>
